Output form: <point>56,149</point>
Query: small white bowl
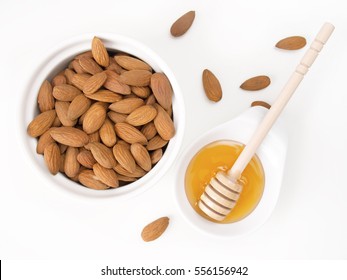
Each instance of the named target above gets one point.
<point>272,154</point>
<point>56,60</point>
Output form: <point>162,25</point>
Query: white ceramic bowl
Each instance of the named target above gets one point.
<point>272,154</point>
<point>56,60</point>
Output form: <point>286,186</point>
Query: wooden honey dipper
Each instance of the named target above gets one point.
<point>223,191</point>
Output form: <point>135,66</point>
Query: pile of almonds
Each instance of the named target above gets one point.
<point>104,121</point>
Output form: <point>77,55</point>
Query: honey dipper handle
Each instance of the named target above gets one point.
<point>286,93</point>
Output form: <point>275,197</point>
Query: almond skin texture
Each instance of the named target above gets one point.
<point>45,97</point>
<point>65,92</point>
<point>71,165</point>
<point>129,133</point>
<point>62,109</point>
<point>58,80</point>
<point>256,83</point>
<point>99,52</point>
<point>149,130</point>
<point>155,229</point>
<point>44,140</point>
<point>41,123</point>
<point>138,78</point>
<point>162,90</point>
<point>155,143</point>
<point>51,156</point>
<point>142,115</point>
<point>291,43</point>
<point>102,154</point>
<point>126,106</point>
<point>69,136</point>
<point>79,80</point>
<point>89,65</point>
<point>124,157</point>
<point>132,63</point>
<point>212,87</point>
<point>86,159</point>
<point>108,134</point>
<point>117,117</point>
<point>78,107</point>
<point>105,96</point>
<point>94,83</point>
<point>105,175</point>
<point>112,83</point>
<point>90,180</point>
<point>141,156</point>
<point>163,123</point>
<point>94,118</point>
<point>142,92</point>
<point>261,103</point>
<point>181,25</point>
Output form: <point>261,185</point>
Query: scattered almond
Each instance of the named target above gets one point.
<point>291,43</point>
<point>181,25</point>
<point>212,86</point>
<point>261,103</point>
<point>155,229</point>
<point>256,83</point>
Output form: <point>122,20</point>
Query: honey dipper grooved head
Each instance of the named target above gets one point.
<point>220,196</point>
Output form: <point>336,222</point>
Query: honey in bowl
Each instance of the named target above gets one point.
<point>220,156</point>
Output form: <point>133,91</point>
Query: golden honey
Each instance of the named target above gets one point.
<point>220,156</point>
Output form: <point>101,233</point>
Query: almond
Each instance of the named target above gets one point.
<point>127,179</point>
<point>155,229</point>
<point>142,92</point>
<point>94,137</point>
<point>59,80</point>
<point>150,100</point>
<point>45,97</point>
<point>141,156</point>
<point>212,87</point>
<point>99,52</point>
<point>41,123</point>
<point>84,54</point>
<point>102,154</point>
<point>149,130</point>
<point>132,63</point>
<point>291,43</point>
<point>68,73</point>
<point>124,157</point>
<point>155,143</point>
<point>44,140</point>
<point>76,66</point>
<point>65,92</point>
<point>256,83</point>
<point>78,107</point>
<point>105,175</point>
<point>136,77</point>
<point>94,83</point>
<point>69,136</point>
<point>79,80</point>
<point>105,96</point>
<point>90,180</point>
<point>261,103</point>
<point>156,155</point>
<point>129,133</point>
<point>162,90</point>
<point>86,159</point>
<point>117,117</point>
<point>62,161</point>
<point>89,65</point>
<point>163,123</point>
<point>56,122</point>
<point>139,172</point>
<point>62,108</point>
<point>114,66</point>
<point>71,165</point>
<point>94,118</point>
<point>142,115</point>
<point>181,25</point>
<point>112,83</point>
<point>126,106</point>
<point>107,133</point>
<point>62,148</point>
<point>51,156</point>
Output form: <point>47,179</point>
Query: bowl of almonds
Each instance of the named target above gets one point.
<point>103,116</point>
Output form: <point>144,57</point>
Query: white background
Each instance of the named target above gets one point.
<point>234,39</point>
